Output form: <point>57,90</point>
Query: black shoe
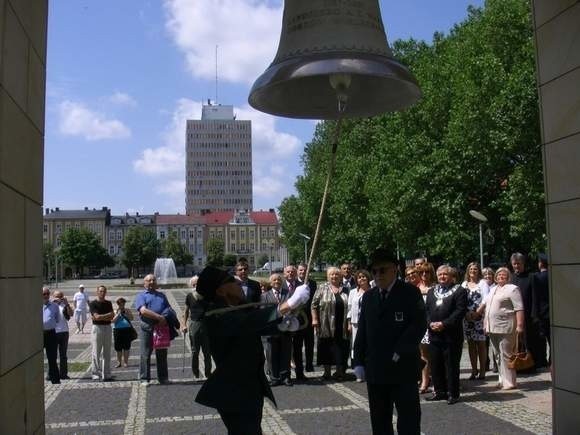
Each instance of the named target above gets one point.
<point>436,397</point>
<point>452,400</point>
<point>64,377</point>
<point>109,379</point>
<point>196,374</point>
<point>309,369</point>
<point>288,382</point>
<point>301,378</point>
<point>275,382</point>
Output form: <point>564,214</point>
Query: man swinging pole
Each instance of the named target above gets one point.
<point>238,385</point>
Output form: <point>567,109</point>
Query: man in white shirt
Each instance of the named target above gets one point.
<point>81,303</point>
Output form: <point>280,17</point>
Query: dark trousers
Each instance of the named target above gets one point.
<point>199,340</point>
<point>304,337</point>
<point>243,422</point>
<point>278,355</point>
<point>62,345</point>
<point>50,347</point>
<point>536,343</point>
<point>146,347</point>
<point>406,399</point>
<point>445,358</point>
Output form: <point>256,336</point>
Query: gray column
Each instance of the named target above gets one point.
<point>22,89</point>
<point>557,33</point>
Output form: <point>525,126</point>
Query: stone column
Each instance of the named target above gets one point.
<point>22,89</point>
<point>557,33</point>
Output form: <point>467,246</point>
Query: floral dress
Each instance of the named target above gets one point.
<point>473,329</point>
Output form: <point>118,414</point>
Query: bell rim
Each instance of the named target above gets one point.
<point>356,64</point>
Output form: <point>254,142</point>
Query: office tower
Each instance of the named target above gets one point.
<point>218,162</point>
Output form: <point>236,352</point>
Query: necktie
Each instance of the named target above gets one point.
<point>277,294</point>
<point>290,288</point>
<point>383,294</point>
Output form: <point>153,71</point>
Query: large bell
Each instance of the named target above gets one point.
<point>333,50</point>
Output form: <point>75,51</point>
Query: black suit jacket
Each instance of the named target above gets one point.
<point>238,381</point>
<point>395,325</point>
<point>451,312</point>
<point>254,291</point>
<point>541,296</point>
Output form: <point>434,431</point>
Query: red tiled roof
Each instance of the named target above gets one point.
<point>264,217</point>
<point>178,219</point>
<point>218,217</point>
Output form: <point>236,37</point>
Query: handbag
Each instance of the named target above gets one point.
<point>520,358</point>
<point>161,338</point>
<point>132,332</point>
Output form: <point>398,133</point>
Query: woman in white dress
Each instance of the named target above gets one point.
<point>363,279</point>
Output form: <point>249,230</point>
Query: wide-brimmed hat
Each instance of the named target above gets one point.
<point>210,279</point>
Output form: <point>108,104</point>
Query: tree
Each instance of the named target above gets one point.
<point>215,252</point>
<point>229,260</point>
<point>409,179</point>
<point>262,259</point>
<point>140,248</point>
<point>81,247</point>
<point>172,248</point>
<point>48,255</point>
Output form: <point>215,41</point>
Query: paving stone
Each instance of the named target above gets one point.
<point>89,405</point>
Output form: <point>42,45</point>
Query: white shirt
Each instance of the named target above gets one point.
<point>354,299</point>
<point>81,301</point>
<point>62,323</point>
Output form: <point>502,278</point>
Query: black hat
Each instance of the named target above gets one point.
<point>210,279</point>
<point>383,255</point>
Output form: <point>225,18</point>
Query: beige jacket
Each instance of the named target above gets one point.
<point>324,304</point>
<point>501,305</point>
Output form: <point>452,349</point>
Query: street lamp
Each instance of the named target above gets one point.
<point>482,219</point>
<point>306,239</point>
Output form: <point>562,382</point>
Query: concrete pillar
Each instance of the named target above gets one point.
<point>557,33</point>
<point>22,89</point>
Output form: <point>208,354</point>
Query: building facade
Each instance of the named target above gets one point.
<point>246,234</point>
<point>190,233</point>
<point>57,221</point>
<point>118,229</point>
<point>218,162</point>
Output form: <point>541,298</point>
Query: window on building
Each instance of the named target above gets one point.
<point>232,234</point>
<point>112,250</point>
<point>232,247</point>
<point>78,225</point>
<point>191,234</point>
<point>58,228</point>
<point>183,234</point>
<point>162,234</point>
<point>119,235</point>
<point>45,228</point>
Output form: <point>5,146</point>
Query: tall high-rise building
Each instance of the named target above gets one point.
<point>218,162</point>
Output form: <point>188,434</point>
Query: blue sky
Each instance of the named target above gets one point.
<point>123,76</point>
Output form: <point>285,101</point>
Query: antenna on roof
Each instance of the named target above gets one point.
<point>216,74</point>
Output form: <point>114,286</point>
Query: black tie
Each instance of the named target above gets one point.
<point>383,294</point>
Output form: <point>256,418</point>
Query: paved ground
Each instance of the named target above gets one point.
<point>80,405</point>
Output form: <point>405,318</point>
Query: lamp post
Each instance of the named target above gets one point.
<point>306,239</point>
<point>481,219</point>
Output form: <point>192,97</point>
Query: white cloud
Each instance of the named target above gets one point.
<point>275,154</point>
<point>246,32</point>
<point>77,120</point>
<point>122,99</point>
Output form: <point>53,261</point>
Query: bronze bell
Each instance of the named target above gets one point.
<point>331,52</point>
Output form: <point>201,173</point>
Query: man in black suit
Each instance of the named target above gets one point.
<point>391,324</point>
<point>348,279</point>
<point>446,306</point>
<point>250,287</point>
<point>541,299</point>
<point>237,387</point>
<point>535,342</point>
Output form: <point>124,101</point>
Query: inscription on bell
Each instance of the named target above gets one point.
<point>335,13</point>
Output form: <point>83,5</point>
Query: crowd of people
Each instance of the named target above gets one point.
<point>402,333</point>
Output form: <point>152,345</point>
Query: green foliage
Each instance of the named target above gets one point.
<point>229,260</point>
<point>172,248</point>
<point>409,179</point>
<point>140,248</point>
<point>262,259</point>
<point>215,252</point>
<point>81,247</point>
